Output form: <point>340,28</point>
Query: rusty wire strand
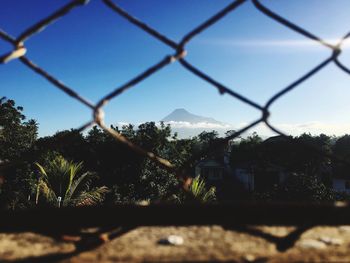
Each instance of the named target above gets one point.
<point>41,25</point>
<point>221,88</point>
<point>289,24</point>
<point>167,60</point>
<point>119,137</point>
<point>141,24</point>
<point>341,66</point>
<point>18,51</point>
<point>298,82</point>
<point>336,59</point>
<point>212,20</point>
<point>7,37</point>
<point>56,82</point>
<point>216,145</point>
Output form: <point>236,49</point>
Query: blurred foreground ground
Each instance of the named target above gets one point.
<point>201,244</point>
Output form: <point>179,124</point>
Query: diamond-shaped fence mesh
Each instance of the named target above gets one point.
<point>178,56</point>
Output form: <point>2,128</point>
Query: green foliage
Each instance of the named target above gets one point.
<point>69,143</point>
<point>307,187</point>
<point>200,192</point>
<point>299,187</point>
<point>16,135</point>
<point>246,150</point>
<point>133,177</point>
<point>342,149</point>
<point>61,184</point>
<point>155,183</point>
<point>143,180</point>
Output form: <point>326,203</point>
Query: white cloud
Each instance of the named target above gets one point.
<point>199,125</point>
<point>185,124</point>
<point>272,43</point>
<point>317,127</point>
<point>186,129</point>
<point>314,127</point>
<point>122,123</point>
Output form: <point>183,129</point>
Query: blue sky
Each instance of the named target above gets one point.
<point>94,50</point>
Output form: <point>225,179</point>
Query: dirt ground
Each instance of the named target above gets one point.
<point>201,244</point>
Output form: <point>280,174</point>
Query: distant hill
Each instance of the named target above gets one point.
<point>182,115</point>
<point>187,124</point>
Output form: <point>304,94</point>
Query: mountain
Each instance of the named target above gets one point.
<point>186,124</point>
<point>182,115</point>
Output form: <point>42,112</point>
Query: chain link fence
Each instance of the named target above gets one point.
<point>178,56</point>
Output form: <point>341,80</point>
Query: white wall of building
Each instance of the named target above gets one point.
<point>340,185</point>
<point>246,178</point>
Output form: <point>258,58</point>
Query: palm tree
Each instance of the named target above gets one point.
<point>200,192</point>
<point>61,184</point>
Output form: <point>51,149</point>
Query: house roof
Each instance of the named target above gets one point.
<point>277,138</point>
<point>341,176</point>
<point>210,163</point>
<point>269,167</point>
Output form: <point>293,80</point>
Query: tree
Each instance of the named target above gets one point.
<point>155,183</point>
<point>306,187</point>
<point>341,149</point>
<point>246,150</point>
<point>139,178</point>
<point>61,184</point>
<point>208,137</point>
<point>69,143</point>
<point>16,135</point>
<point>299,187</point>
<point>312,158</point>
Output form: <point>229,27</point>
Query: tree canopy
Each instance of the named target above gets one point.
<point>36,173</point>
<point>17,135</point>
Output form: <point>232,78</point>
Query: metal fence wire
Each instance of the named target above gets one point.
<point>179,55</point>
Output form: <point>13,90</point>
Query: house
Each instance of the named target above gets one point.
<point>255,176</point>
<point>340,177</point>
<point>245,175</point>
<point>211,170</point>
<point>3,167</point>
<point>252,175</point>
<point>216,166</point>
<point>341,184</point>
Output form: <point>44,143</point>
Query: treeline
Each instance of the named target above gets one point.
<point>310,164</point>
<point>73,169</point>
<point>35,168</point>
